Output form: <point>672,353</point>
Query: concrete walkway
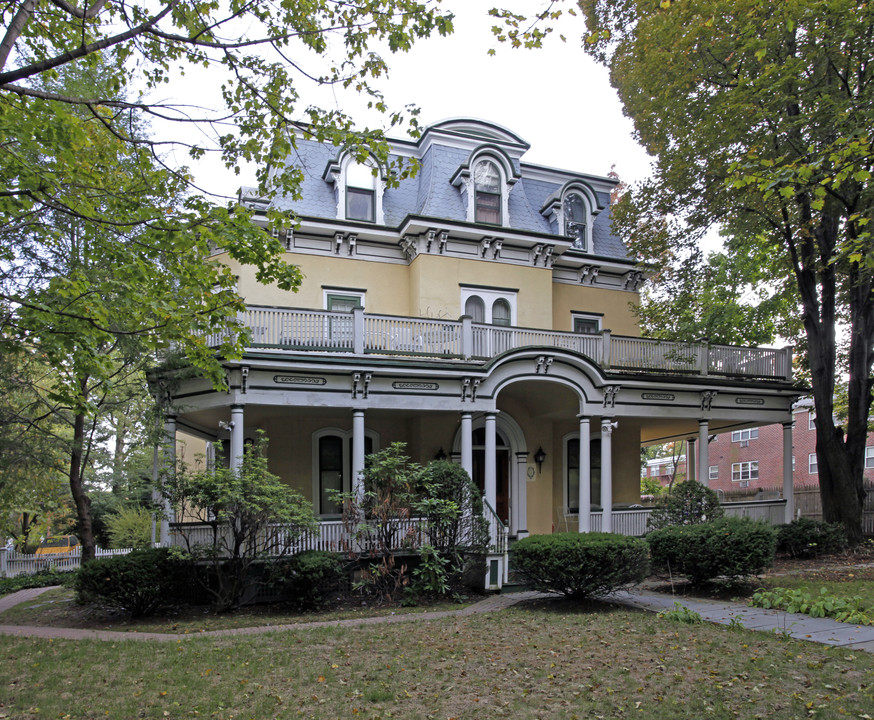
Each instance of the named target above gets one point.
<point>800,627</point>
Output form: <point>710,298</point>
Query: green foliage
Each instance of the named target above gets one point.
<point>731,547</point>
<point>251,515</point>
<point>44,578</point>
<point>309,578</point>
<point>808,538</point>
<point>581,565</point>
<point>688,503</point>
<point>681,614</point>
<point>759,117</point>
<point>431,576</point>
<point>130,527</point>
<point>843,609</point>
<point>142,582</point>
<point>452,507</point>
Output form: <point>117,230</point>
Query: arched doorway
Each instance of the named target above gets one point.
<point>502,470</point>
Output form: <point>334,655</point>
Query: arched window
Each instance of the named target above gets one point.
<point>501,312</point>
<point>476,308</point>
<point>487,192</point>
<point>575,217</point>
<point>360,193</point>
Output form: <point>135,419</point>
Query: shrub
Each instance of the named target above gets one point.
<point>43,578</point>
<point>808,538</point>
<point>141,582</point>
<point>580,565</point>
<point>129,527</point>
<point>308,579</point>
<point>731,547</point>
<point>688,503</point>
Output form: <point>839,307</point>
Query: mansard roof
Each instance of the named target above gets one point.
<point>445,151</point>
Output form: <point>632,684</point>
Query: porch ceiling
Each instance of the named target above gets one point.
<point>542,399</point>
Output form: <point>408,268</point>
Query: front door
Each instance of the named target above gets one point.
<point>502,471</point>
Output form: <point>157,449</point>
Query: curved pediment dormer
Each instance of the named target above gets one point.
<point>571,212</point>
<point>476,130</point>
<point>485,180</point>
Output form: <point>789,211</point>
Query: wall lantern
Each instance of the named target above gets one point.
<point>440,454</point>
<point>539,457</point>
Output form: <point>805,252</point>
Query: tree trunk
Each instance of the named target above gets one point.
<point>81,500</point>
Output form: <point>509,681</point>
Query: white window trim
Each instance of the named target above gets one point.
<point>811,420</point>
<point>554,211</point>
<point>341,292</point>
<point>489,296</point>
<point>869,457</point>
<point>598,319</point>
<point>466,185</point>
<point>745,435</point>
<point>336,173</point>
<point>743,471</point>
<point>812,464</point>
<point>713,472</point>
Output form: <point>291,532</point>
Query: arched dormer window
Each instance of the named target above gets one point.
<point>358,188</point>
<point>576,220</point>
<point>487,184</point>
<point>360,192</point>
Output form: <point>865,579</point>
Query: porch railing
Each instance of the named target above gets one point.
<point>363,333</point>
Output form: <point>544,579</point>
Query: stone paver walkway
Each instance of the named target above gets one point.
<point>801,627</point>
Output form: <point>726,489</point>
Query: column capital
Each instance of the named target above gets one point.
<point>789,424</point>
<point>584,418</point>
<point>492,413</point>
<point>608,425</point>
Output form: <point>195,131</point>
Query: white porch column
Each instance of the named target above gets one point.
<point>169,468</point>
<point>703,452</point>
<point>788,480</point>
<point>238,436</point>
<point>467,443</point>
<point>519,499</point>
<point>358,454</point>
<point>491,484</point>
<point>607,427</point>
<point>690,459</point>
<point>585,489</point>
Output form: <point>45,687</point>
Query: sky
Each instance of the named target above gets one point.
<point>557,98</point>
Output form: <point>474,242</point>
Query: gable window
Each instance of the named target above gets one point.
<point>360,193</point>
<point>575,216</point>
<point>487,192</point>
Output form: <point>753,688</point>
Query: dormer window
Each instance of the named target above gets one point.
<point>360,193</point>
<point>487,192</point>
<point>575,220</point>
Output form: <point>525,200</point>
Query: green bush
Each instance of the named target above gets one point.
<point>731,547</point>
<point>43,578</point>
<point>129,527</point>
<point>141,582</point>
<point>688,503</point>
<point>308,579</point>
<point>581,565</point>
<point>804,538</point>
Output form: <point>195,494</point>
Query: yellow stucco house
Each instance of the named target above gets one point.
<point>479,311</point>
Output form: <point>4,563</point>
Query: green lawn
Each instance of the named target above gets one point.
<point>549,660</point>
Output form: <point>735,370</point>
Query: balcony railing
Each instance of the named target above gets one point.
<point>363,333</point>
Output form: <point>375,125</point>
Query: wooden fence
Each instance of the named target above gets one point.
<point>14,563</point>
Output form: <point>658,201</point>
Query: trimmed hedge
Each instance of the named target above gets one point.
<point>308,579</point>
<point>581,565</point>
<point>804,538</point>
<point>731,547</point>
<point>141,582</point>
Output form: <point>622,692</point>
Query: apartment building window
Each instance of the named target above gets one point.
<point>745,471</point>
<point>745,435</point>
<point>811,421</point>
<point>812,464</point>
<point>869,457</point>
<point>713,472</point>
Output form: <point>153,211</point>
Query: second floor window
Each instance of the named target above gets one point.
<point>501,312</point>
<point>360,193</point>
<point>744,471</point>
<point>744,435</point>
<point>487,192</point>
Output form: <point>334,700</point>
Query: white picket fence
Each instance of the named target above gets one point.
<point>14,563</point>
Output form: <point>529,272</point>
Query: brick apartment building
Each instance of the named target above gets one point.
<point>748,460</point>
